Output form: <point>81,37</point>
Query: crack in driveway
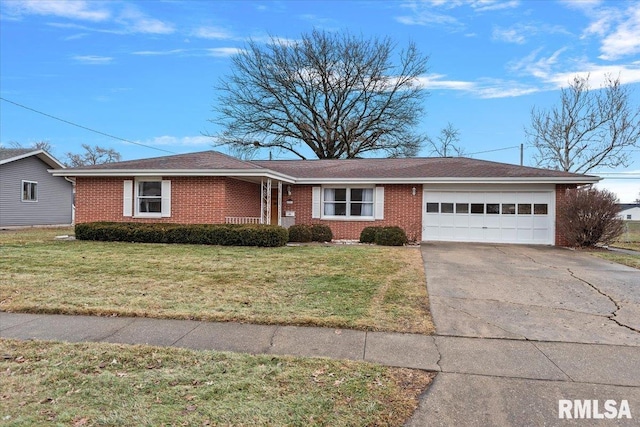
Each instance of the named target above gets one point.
<point>614,302</point>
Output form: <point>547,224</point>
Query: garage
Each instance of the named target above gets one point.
<point>489,215</point>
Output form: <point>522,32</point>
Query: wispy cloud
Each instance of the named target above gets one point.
<point>134,21</point>
<point>481,88</point>
<point>552,72</point>
<point>127,19</point>
<point>223,51</point>
<point>624,40</point>
<point>617,24</point>
<point>70,9</point>
<point>93,59</point>
<point>159,52</point>
<point>436,12</point>
<point>535,65</point>
<point>522,33</point>
<point>439,81</point>
<point>491,5</point>
<point>215,33</point>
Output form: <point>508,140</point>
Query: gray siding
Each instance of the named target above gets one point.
<point>54,195</point>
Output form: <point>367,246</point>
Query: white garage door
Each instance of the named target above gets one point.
<point>492,217</point>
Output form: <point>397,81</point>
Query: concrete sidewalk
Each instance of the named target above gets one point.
<point>551,361</point>
<point>480,381</point>
<point>391,349</point>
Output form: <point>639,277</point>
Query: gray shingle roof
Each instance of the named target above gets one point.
<point>393,169</point>
<point>7,153</point>
<point>203,160</point>
<point>428,167</point>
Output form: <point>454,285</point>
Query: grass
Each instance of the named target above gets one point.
<point>342,286</point>
<point>620,258</point>
<point>629,240</point>
<point>107,384</point>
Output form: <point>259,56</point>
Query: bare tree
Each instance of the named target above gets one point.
<point>92,156</point>
<point>339,95</point>
<point>445,146</point>
<point>39,145</point>
<point>588,128</point>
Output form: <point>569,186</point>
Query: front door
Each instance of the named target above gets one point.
<point>274,207</point>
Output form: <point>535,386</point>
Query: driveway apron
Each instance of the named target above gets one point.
<point>533,293</point>
<point>520,329</point>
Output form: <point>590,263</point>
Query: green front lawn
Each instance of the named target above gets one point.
<point>106,384</point>
<point>630,239</point>
<point>341,286</point>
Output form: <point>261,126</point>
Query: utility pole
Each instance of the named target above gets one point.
<point>521,154</point>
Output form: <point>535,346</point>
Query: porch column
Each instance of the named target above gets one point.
<point>279,202</point>
<point>265,201</point>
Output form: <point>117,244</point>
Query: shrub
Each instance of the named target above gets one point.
<point>588,216</point>
<point>201,234</point>
<point>300,233</point>
<point>368,234</point>
<point>390,236</point>
<point>321,233</point>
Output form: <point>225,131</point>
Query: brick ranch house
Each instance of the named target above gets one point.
<point>440,199</point>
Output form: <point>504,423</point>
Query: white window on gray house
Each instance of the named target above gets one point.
<point>147,198</point>
<point>629,216</point>
<point>29,191</point>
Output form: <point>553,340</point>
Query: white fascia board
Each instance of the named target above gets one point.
<point>41,154</point>
<point>451,180</point>
<point>240,173</point>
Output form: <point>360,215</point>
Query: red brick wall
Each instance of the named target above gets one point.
<point>197,200</point>
<point>400,208</point>
<point>242,198</point>
<point>99,199</point>
<point>560,192</point>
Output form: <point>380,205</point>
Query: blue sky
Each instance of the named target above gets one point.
<point>145,71</point>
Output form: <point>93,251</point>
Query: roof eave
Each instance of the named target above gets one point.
<point>244,173</point>
<point>451,180</point>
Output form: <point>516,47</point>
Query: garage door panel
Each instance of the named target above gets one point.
<point>490,216</point>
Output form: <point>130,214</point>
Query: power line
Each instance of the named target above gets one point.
<point>86,128</point>
<point>491,151</point>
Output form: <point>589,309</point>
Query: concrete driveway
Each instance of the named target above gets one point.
<point>520,329</point>
<point>534,293</point>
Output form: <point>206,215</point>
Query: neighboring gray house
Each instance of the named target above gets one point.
<point>629,211</point>
<point>29,195</point>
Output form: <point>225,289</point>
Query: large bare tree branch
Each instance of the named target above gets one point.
<point>339,95</point>
<point>588,129</point>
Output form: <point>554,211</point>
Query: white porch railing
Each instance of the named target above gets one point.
<point>242,220</point>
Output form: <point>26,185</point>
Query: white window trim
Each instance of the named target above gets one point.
<point>348,216</point>
<point>136,204</point>
<point>25,181</point>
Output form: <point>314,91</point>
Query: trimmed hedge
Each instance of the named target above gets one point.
<point>391,236</point>
<point>321,233</point>
<point>368,234</point>
<point>304,233</point>
<point>384,236</point>
<point>300,233</point>
<point>199,234</point>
